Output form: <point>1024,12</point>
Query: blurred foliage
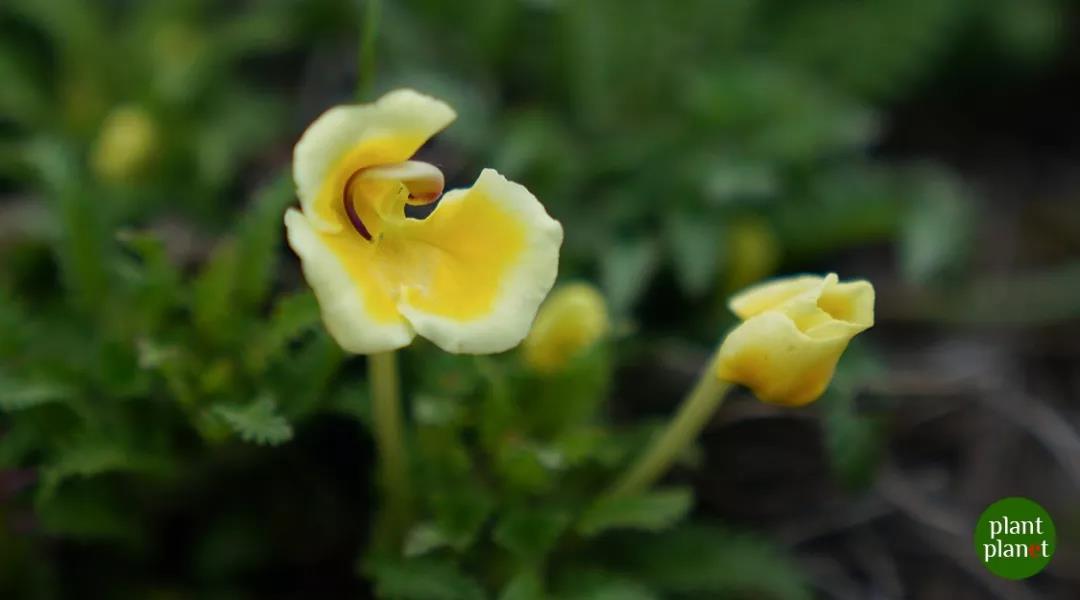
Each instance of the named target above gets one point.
<point>151,329</point>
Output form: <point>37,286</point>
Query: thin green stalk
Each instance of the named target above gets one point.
<point>369,32</point>
<point>694,413</point>
<point>389,432</point>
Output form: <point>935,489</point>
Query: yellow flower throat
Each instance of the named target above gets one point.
<point>423,182</point>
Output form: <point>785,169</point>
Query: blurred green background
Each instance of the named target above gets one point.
<point>174,423</point>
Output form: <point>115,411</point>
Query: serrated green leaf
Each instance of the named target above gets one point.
<point>423,579</point>
<point>257,422</point>
<point>651,511</point>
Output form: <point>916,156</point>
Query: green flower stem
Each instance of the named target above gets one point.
<point>694,413</point>
<point>369,32</point>
<point>389,432</point>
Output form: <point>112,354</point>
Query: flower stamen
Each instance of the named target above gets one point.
<point>350,208</point>
<point>424,183</point>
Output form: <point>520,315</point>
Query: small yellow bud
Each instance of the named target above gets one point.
<point>792,335</point>
<point>572,319</point>
<point>125,145</point>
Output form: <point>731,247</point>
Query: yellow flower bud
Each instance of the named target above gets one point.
<point>572,319</point>
<point>792,335</point>
<point>127,142</point>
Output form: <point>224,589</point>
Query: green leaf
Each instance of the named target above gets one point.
<point>695,244</point>
<point>855,442</point>
<point>242,124</point>
<point>570,398</point>
<point>259,238</point>
<point>460,511</point>
<point>524,466</point>
<point>91,457</point>
<point>885,45</point>
<point>700,559</point>
<point>21,97</point>
<point>938,233</point>
<point>530,533</point>
<point>214,292</point>
<point>83,249</point>
<point>17,394</point>
<point>306,377</point>
<point>424,538</point>
<point>155,280</point>
<point>626,271</point>
<point>651,511</point>
<point>592,584</point>
<point>423,579</point>
<point>526,585</point>
<point>257,422</point>
<point>293,316</point>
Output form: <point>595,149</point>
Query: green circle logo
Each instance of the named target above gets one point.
<point>1015,538</point>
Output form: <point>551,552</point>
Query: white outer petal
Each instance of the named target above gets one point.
<point>340,301</point>
<point>338,130</point>
<point>523,289</point>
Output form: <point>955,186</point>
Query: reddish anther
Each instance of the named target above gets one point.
<point>350,209</point>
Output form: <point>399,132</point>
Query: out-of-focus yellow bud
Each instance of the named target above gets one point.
<point>792,335</point>
<point>754,252</point>
<point>126,144</point>
<point>572,319</point>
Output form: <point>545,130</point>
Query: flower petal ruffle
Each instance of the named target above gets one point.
<point>475,271</point>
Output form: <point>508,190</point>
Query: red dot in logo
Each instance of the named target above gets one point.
<point>1034,550</point>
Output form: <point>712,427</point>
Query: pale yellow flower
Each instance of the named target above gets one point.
<point>792,335</point>
<point>126,144</point>
<point>469,277</point>
<point>572,319</point>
